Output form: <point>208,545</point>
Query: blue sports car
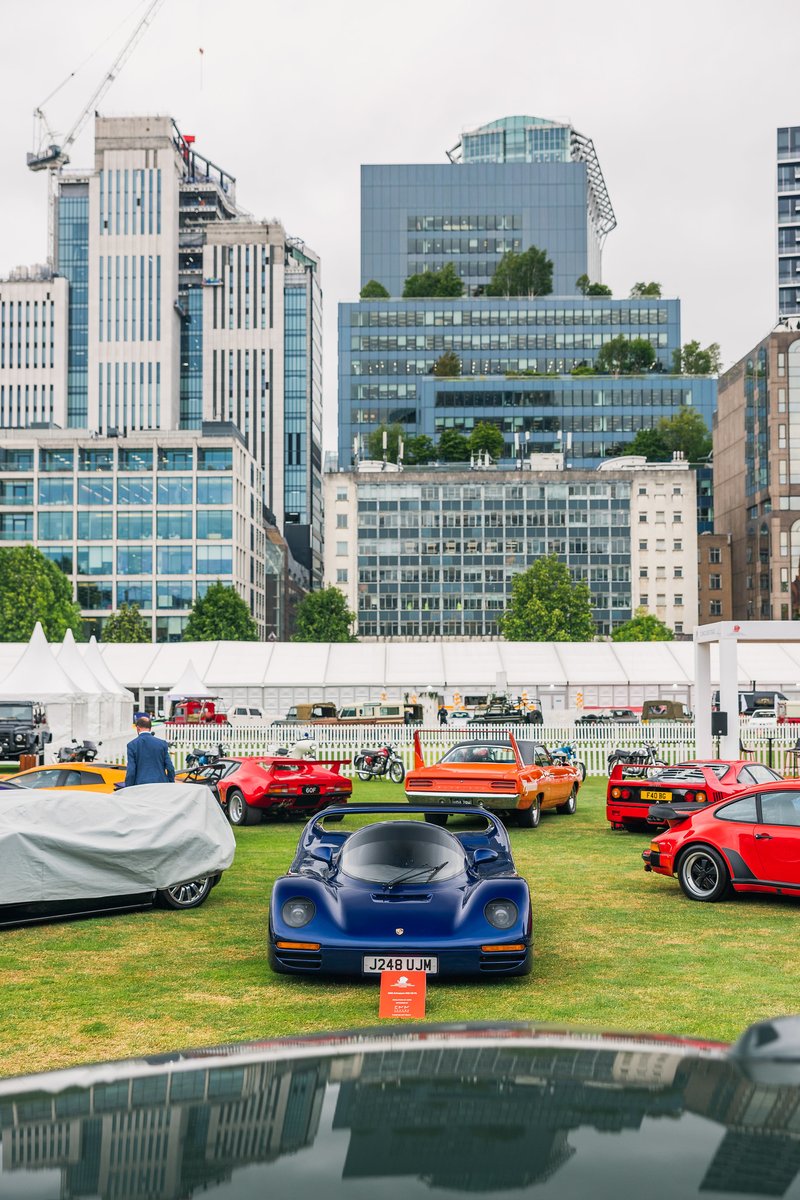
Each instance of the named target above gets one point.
<point>401,895</point>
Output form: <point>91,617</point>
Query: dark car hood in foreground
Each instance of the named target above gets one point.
<point>456,1111</point>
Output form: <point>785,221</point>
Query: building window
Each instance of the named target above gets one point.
<point>677,545</point>
<point>643,600</point>
<point>643,572</point>
<point>642,491</point>
<point>643,518</point>
<point>134,560</point>
<point>95,460</point>
<point>214,491</point>
<point>95,526</point>
<point>175,491</point>
<point>134,491</point>
<point>642,545</point>
<point>715,583</point>
<point>53,491</point>
<point>677,491</point>
<point>218,458</point>
<point>660,518</point>
<point>677,518</point>
<point>214,560</point>
<point>661,598</point>
<point>714,554</point>
<point>16,527</point>
<point>661,544</point>
<point>341,520</point>
<point>56,460</point>
<point>715,608</point>
<point>678,573</point>
<point>679,626</point>
<point>95,560</point>
<point>55,526</point>
<point>341,495</point>
<point>95,492</point>
<point>174,526</point>
<point>678,600</point>
<point>96,595</point>
<point>134,526</point>
<point>214,523</point>
<point>176,459</point>
<point>174,560</point>
<point>170,593</point>
<point>341,575</point>
<point>341,549</point>
<point>781,437</point>
<point>135,460</point>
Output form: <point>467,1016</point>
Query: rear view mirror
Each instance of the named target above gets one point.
<point>484,855</point>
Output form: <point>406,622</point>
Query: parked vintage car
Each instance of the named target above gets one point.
<point>401,895</point>
<point>750,843</point>
<point>702,781</point>
<point>83,777</point>
<point>510,776</point>
<point>250,789</point>
<point>666,710</point>
<point>76,854</point>
<point>245,716</point>
<point>23,729</point>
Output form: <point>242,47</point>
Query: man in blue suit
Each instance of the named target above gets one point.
<point>148,757</point>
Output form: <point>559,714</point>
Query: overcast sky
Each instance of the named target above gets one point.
<point>682,100</point>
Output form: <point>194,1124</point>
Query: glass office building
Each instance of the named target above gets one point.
<point>789,221</point>
<point>517,358</point>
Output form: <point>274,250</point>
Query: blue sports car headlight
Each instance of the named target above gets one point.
<point>298,912</point>
<point>502,914</point>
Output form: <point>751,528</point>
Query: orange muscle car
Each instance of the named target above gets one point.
<point>507,775</point>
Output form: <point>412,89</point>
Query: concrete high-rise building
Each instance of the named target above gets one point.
<point>167,308</point>
<point>757,476</point>
<point>789,221</point>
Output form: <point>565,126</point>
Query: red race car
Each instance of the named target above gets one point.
<point>250,789</point>
<point>748,844</point>
<point>701,781</point>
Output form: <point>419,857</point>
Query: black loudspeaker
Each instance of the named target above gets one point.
<point>719,724</point>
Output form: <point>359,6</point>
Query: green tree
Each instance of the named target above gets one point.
<point>643,627</point>
<point>692,359</point>
<point>32,588</point>
<point>453,446</point>
<point>323,616</point>
<point>445,283</point>
<point>127,625</point>
<point>649,444</point>
<point>447,364</point>
<point>622,356</point>
<point>548,605</point>
<point>220,616</point>
<point>486,436</point>
<point>686,432</point>
<point>582,284</point>
<point>373,291</point>
<point>598,289</point>
<point>527,274</point>
<point>645,289</point>
<point>420,449</point>
<point>375,442</point>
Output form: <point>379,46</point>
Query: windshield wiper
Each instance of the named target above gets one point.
<point>429,871</point>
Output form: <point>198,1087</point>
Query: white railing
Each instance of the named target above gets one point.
<point>675,742</point>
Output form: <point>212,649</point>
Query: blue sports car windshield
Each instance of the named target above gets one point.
<point>382,853</point>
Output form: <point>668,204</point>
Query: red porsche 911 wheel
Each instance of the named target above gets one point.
<point>703,875</point>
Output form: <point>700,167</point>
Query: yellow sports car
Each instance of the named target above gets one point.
<point>83,777</point>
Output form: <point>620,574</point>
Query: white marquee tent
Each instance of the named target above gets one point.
<point>37,675</point>
<point>122,700</point>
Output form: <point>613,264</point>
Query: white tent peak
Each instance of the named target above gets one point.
<point>69,638</point>
<point>77,669</point>
<point>38,636</point>
<point>102,672</point>
<point>190,686</point>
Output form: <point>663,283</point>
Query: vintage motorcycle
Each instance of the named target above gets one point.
<point>638,761</point>
<point>84,751</point>
<point>382,763</point>
<point>199,757</point>
<point>567,756</point>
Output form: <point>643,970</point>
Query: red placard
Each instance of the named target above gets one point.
<point>402,994</point>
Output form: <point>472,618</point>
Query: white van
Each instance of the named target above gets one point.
<point>242,716</point>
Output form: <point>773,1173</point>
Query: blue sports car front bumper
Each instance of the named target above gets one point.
<point>452,963</point>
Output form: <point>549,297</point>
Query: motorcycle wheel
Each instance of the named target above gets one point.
<point>362,770</point>
<point>397,772</point>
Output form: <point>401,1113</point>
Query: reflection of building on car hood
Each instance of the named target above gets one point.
<point>466,1110</point>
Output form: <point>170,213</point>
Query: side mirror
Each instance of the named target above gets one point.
<point>484,855</point>
<point>323,853</point>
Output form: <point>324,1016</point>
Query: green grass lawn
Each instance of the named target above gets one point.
<point>615,949</point>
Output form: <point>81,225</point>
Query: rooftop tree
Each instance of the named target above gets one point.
<point>529,273</point>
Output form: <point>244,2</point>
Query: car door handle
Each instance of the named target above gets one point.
<point>763,837</point>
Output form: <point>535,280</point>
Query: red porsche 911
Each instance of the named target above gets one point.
<point>701,781</point>
<point>250,789</point>
<point>750,843</point>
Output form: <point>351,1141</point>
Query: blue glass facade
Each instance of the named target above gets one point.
<point>73,264</point>
<point>516,362</point>
<point>295,375</point>
<point>419,217</point>
<point>191,415</point>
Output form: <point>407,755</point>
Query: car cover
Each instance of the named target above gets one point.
<point>68,845</point>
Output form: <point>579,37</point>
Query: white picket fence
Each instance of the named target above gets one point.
<point>675,743</point>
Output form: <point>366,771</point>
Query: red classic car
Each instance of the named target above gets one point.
<point>250,789</point>
<point>701,781</point>
<point>750,843</point>
<point>510,776</point>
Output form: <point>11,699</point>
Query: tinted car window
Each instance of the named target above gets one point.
<point>38,779</point>
<point>780,808</point>
<point>70,778</point>
<point>380,853</point>
<point>740,810</point>
<point>762,774</point>
<point>482,752</point>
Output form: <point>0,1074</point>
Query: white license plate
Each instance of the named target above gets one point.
<point>374,964</point>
